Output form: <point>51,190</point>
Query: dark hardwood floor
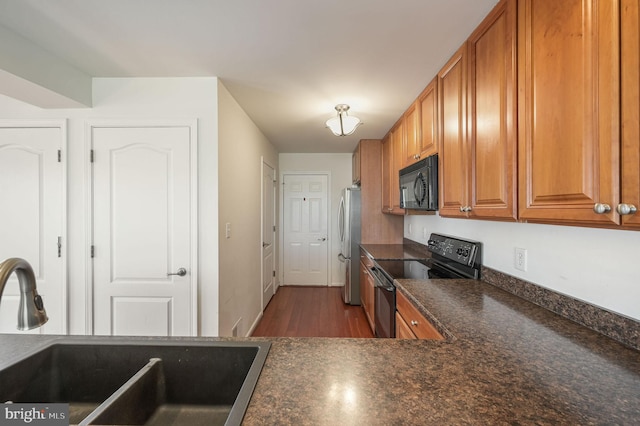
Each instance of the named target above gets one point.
<point>311,312</point>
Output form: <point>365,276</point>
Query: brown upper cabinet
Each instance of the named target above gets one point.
<point>630,200</point>
<point>454,149</point>
<point>537,117</point>
<point>569,114</point>
<point>492,100</point>
<point>391,165</point>
<point>478,101</point>
<point>421,133</point>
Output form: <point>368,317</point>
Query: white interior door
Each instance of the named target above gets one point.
<point>305,230</point>
<point>142,231</point>
<point>31,218</point>
<point>268,233</point>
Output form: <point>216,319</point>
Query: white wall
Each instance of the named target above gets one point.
<point>241,149</point>
<point>133,99</point>
<point>599,266</point>
<point>339,168</point>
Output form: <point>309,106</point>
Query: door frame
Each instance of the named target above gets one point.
<point>192,124</point>
<point>64,252</point>
<point>263,161</point>
<point>281,221</point>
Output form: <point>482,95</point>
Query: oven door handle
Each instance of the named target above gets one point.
<point>382,283</point>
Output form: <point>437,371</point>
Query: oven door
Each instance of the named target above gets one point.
<point>385,307</point>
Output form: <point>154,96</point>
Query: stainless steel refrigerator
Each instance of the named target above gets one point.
<point>349,231</point>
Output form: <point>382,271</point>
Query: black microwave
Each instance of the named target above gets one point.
<point>419,185</point>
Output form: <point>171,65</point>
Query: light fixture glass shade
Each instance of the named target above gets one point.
<point>343,124</point>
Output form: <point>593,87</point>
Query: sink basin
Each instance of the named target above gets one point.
<point>125,382</point>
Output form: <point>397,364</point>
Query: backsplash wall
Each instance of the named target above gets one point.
<point>594,265</point>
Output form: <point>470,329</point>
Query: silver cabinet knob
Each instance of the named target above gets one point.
<point>414,323</point>
<point>600,208</point>
<point>181,272</point>
<point>465,209</point>
<point>624,209</point>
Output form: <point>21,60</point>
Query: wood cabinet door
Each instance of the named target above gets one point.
<point>397,139</point>
<point>387,162</point>
<point>428,106</point>
<point>630,109</point>
<point>410,145</point>
<point>492,104</point>
<point>403,331</point>
<point>453,163</point>
<point>568,71</point>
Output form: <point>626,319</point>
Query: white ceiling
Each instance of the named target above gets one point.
<point>286,62</point>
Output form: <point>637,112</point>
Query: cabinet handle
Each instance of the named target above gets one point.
<point>626,209</point>
<point>416,156</point>
<point>600,208</point>
<point>414,323</point>
<point>465,209</point>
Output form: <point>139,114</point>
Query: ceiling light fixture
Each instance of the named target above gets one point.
<point>343,124</point>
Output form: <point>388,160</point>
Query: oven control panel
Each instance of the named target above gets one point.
<point>460,251</point>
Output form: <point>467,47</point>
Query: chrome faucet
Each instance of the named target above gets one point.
<point>31,313</point>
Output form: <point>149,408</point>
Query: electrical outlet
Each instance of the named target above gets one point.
<point>520,259</point>
<point>410,229</point>
<point>425,234</point>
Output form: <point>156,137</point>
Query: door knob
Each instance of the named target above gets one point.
<point>181,272</point>
<point>601,208</point>
<point>626,209</point>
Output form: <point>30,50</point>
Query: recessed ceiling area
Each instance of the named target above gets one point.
<point>288,63</point>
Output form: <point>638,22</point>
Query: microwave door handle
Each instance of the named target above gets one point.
<point>403,196</point>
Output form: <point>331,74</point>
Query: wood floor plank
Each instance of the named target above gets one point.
<point>312,312</point>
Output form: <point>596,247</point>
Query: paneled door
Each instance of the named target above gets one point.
<point>32,217</point>
<point>143,231</point>
<point>305,230</point>
<point>569,110</point>
<point>268,233</point>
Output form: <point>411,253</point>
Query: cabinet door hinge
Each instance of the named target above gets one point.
<point>91,156</point>
<point>274,228</point>
<point>59,246</point>
<point>59,156</point>
<point>274,273</point>
<point>93,252</point>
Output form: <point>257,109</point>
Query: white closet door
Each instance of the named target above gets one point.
<point>31,219</point>
<point>305,230</point>
<point>142,210</point>
<point>268,233</point>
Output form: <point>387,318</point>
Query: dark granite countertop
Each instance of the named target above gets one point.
<point>393,251</point>
<point>505,361</point>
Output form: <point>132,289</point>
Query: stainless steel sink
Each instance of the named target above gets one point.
<point>125,382</point>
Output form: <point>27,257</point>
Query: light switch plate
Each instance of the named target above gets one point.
<point>228,230</point>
